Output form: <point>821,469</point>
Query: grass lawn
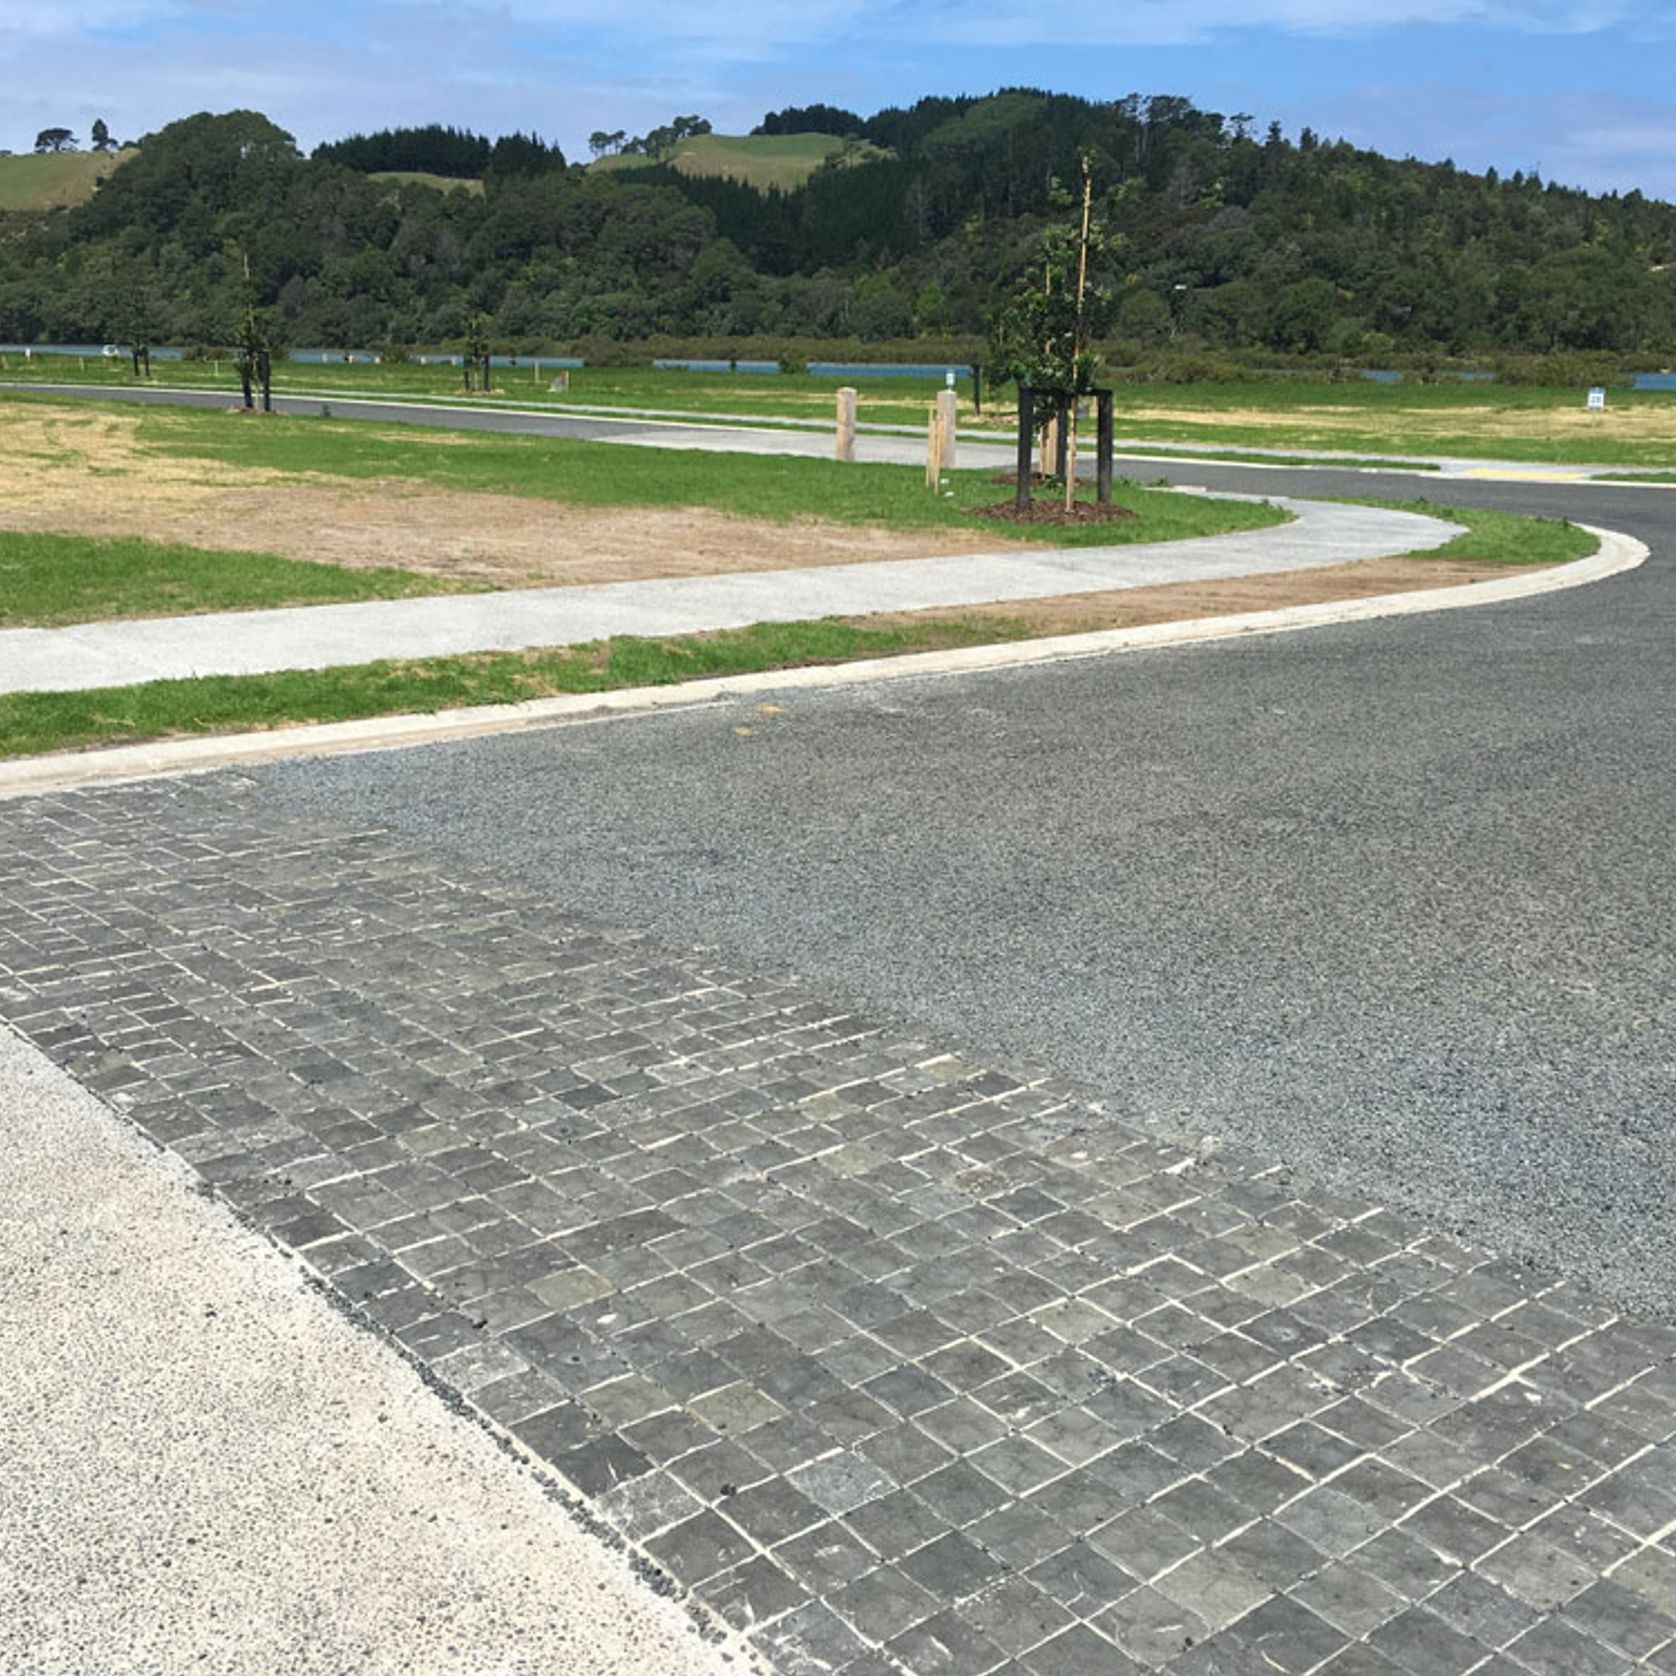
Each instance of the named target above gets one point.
<point>1362,418</point>
<point>418,177</point>
<point>52,179</point>
<point>606,474</point>
<point>759,160</point>
<point>1498,537</point>
<point>33,723</point>
<point>50,580</point>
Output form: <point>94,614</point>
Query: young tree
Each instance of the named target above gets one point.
<point>1040,338</point>
<point>133,315</point>
<point>101,136</point>
<point>257,338</point>
<point>476,356</point>
<point>55,139</point>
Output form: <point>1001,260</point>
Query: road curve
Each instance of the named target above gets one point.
<point>1389,901</point>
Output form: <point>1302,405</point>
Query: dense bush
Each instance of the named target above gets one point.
<point>1241,252</point>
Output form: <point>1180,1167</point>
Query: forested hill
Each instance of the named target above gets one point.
<point>1234,238</point>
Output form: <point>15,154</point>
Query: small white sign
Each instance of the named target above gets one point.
<point>1597,400</point>
<point>948,378</point>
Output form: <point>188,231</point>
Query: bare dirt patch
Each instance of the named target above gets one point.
<point>83,472</point>
<point>1175,602</point>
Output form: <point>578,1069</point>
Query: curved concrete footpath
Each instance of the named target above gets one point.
<point>188,755</point>
<point>206,1467</point>
<point>318,636</point>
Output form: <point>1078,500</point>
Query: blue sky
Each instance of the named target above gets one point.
<point>1578,88</point>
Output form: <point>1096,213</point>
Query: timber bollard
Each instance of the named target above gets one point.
<point>948,415</point>
<point>846,423</point>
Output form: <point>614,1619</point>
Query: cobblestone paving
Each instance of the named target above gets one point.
<point>898,1361</point>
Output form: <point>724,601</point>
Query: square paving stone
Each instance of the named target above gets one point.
<point>1479,1608</point>
<point>1535,1571</point>
<point>1286,1636</point>
<point>1017,1615</point>
<point>1421,1642</point>
<point>754,1593</point>
<point>1151,1628</point>
<point>1081,1580</point>
<point>883,1604</point>
<point>953,1567</point>
<point>1078,1651</point>
<point>700,1547</point>
<point>1349,1599</point>
<point>826,1558</point>
<point>896,1524</point>
<point>1214,1587</point>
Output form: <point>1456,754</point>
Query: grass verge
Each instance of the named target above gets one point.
<point>31,723</point>
<point>1499,538</point>
<point>47,581</point>
<point>775,489</point>
<point>34,723</point>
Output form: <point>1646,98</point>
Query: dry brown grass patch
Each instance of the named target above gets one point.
<point>83,471</point>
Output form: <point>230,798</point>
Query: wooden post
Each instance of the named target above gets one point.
<point>977,388</point>
<point>1073,417</point>
<point>1077,337</point>
<point>1050,443</point>
<point>948,418</point>
<point>1103,448</point>
<point>1026,437</point>
<point>846,423</point>
<point>933,446</point>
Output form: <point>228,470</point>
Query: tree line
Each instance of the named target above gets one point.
<point>1227,240</point>
<point>454,153</point>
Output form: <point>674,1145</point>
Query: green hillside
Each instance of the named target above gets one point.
<point>417,177</point>
<point>759,160</point>
<point>54,180</point>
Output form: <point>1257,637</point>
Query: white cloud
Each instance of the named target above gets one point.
<point>1187,22</point>
<point>748,30</point>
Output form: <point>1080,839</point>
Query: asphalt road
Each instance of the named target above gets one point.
<point>1389,902</point>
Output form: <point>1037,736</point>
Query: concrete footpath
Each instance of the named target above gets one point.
<point>207,1467</point>
<point>316,637</point>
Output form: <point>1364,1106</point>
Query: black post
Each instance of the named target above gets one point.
<point>977,388</point>
<point>1026,436</point>
<point>1062,441</point>
<point>1103,448</point>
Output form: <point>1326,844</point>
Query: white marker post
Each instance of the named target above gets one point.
<point>1597,400</point>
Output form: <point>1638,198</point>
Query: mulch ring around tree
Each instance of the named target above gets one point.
<point>1055,512</point>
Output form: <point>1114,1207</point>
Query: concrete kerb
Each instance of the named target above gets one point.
<point>1616,553</point>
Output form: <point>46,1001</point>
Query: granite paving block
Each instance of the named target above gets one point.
<point>896,1360</point>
